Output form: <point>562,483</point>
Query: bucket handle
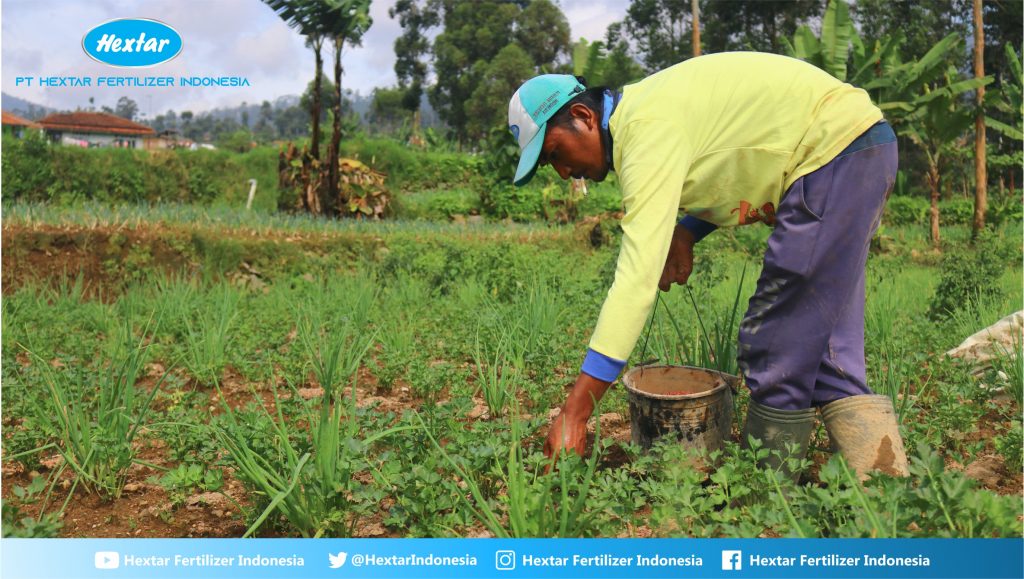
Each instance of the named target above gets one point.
<point>647,335</point>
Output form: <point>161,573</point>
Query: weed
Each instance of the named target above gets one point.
<point>95,435</point>
<point>182,481</point>
<point>16,526</point>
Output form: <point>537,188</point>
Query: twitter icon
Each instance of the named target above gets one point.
<point>337,560</point>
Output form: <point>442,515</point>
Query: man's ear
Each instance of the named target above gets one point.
<point>583,113</point>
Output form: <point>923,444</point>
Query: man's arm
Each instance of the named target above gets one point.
<point>569,429</point>
<point>679,263</point>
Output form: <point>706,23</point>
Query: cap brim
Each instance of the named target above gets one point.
<point>528,159</point>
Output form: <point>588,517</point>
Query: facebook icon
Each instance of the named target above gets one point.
<point>732,560</point>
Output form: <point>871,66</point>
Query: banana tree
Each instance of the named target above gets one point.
<point>923,102</point>
<point>1007,99</point>
<point>829,53</point>
<point>302,16</point>
<point>344,22</point>
<point>840,46</point>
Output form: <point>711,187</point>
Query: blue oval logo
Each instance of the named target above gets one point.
<point>132,42</point>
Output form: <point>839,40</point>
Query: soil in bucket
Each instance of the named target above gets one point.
<point>692,406</point>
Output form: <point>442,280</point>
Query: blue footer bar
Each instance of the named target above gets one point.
<point>509,559</point>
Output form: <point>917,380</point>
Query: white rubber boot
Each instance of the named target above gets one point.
<point>865,431</point>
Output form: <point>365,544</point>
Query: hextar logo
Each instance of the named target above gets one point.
<point>132,42</point>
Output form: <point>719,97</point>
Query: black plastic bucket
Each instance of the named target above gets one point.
<point>693,405</point>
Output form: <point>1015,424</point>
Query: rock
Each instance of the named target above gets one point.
<point>985,470</point>
<point>216,501</point>
<point>990,342</point>
<point>479,411</point>
<point>132,487</point>
<point>311,393</point>
<point>373,530</point>
<point>611,419</point>
<point>479,534</point>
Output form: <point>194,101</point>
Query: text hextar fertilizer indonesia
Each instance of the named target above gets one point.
<point>132,42</point>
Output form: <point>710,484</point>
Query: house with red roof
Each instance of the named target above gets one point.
<point>90,129</point>
<point>16,125</point>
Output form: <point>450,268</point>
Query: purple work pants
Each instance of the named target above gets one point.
<point>801,342</point>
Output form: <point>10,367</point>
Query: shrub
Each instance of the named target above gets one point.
<point>901,210</point>
<point>34,170</point>
<point>907,210</point>
<point>969,274</point>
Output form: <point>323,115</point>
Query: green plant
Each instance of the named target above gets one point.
<point>16,526</point>
<point>183,480</point>
<point>206,341</point>
<point>893,372</point>
<point>311,482</point>
<point>96,429</point>
<point>537,502</point>
<point>497,380</point>
<point>968,274</point>
<point>1009,361</point>
<point>29,494</point>
<point>1010,444</point>
<point>310,479</point>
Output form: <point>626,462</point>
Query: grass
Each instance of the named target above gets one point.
<point>452,314</point>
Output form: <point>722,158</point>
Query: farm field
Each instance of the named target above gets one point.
<point>170,371</point>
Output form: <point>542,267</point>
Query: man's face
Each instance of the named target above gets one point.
<point>576,153</point>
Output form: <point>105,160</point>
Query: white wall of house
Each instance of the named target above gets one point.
<point>97,140</point>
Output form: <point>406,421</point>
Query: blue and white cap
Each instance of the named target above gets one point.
<point>529,111</point>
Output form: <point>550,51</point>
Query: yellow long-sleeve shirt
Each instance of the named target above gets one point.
<point>720,137</point>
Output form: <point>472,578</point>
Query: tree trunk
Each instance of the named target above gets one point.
<point>695,9</point>
<point>310,165</point>
<point>933,185</point>
<point>980,170</point>
<point>332,198</point>
<point>315,146</point>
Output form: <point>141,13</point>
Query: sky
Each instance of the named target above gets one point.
<point>221,38</point>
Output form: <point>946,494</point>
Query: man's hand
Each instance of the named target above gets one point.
<point>566,434</point>
<point>679,263</point>
<point>569,429</point>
